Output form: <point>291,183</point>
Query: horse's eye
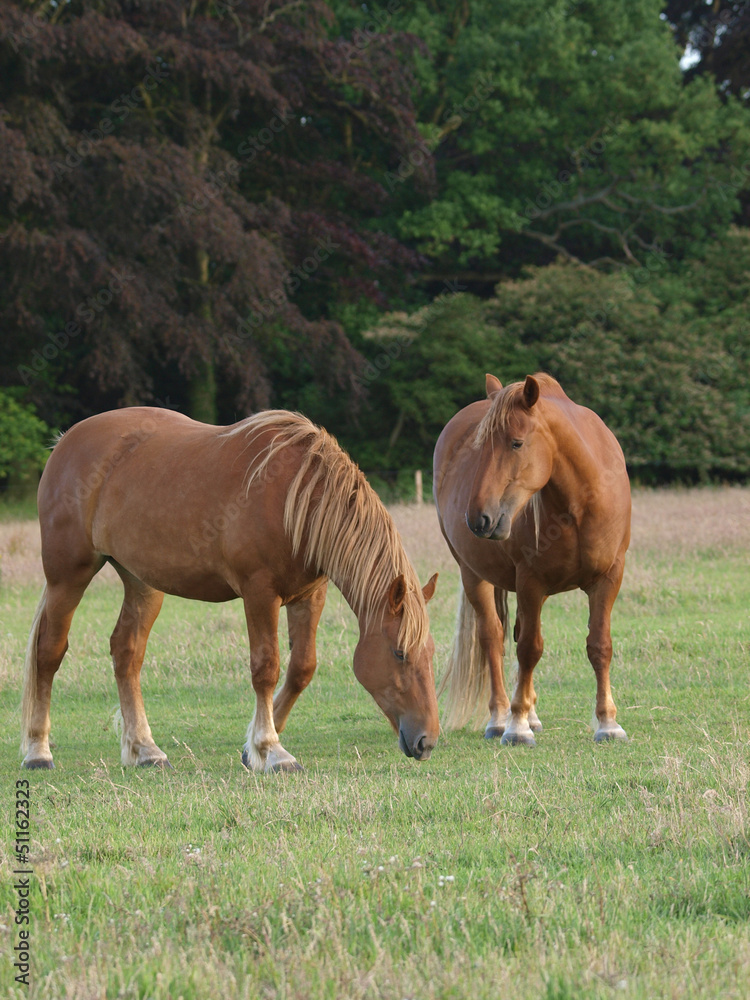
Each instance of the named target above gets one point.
<point>399,654</point>
<point>515,445</point>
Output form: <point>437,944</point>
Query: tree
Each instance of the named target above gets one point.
<point>563,129</point>
<point>24,439</point>
<point>662,356</point>
<point>178,183</point>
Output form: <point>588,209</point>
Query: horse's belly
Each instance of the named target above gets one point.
<point>196,585</point>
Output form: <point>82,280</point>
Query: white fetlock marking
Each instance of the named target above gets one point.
<point>518,727</point>
<point>255,760</point>
<point>534,719</point>
<point>137,750</point>
<point>611,729</point>
<point>37,750</point>
<point>498,719</point>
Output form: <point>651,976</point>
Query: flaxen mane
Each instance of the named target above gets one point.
<point>330,506</point>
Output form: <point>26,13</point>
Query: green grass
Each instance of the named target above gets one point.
<point>567,871</point>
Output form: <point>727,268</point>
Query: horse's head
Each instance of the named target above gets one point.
<point>515,459</point>
<point>401,680</point>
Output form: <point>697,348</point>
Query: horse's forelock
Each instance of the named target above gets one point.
<point>504,404</point>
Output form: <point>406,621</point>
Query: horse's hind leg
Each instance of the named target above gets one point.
<point>599,649</point>
<point>48,644</point>
<point>127,644</point>
<point>303,620</point>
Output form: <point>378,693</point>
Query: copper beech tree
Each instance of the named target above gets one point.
<point>178,183</point>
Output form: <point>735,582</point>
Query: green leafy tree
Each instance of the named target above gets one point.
<point>562,129</point>
<point>24,439</point>
<point>660,356</point>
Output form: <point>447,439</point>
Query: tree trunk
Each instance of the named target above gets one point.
<point>202,385</point>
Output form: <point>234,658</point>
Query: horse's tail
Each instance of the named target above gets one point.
<point>467,676</point>
<point>29,672</point>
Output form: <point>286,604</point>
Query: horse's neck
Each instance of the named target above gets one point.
<point>575,471</point>
<point>353,599</point>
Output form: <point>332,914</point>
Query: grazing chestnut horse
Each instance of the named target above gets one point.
<point>533,496</point>
<point>265,510</point>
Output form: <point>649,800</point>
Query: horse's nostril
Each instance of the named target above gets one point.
<point>420,744</point>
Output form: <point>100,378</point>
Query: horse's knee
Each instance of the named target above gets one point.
<point>123,650</point>
<point>530,649</point>
<point>599,652</point>
<point>265,672</point>
<point>300,677</point>
<point>49,655</point>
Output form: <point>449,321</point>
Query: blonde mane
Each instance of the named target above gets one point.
<point>331,508</point>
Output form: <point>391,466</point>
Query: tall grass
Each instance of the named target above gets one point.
<point>567,871</point>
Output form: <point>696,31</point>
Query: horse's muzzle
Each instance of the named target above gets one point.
<point>483,526</point>
<point>420,749</point>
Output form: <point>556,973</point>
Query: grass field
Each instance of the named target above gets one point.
<point>565,872</point>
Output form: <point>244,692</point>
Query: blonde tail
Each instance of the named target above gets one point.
<point>29,673</point>
<point>467,677</point>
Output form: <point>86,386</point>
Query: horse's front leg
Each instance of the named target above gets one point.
<point>529,647</point>
<point>599,649</point>
<point>263,751</point>
<point>491,638</point>
<point>303,618</point>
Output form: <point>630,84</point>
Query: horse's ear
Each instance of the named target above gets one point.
<point>429,588</point>
<point>492,384</point>
<point>530,391</point>
<point>397,595</point>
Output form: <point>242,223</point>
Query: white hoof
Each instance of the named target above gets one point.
<point>518,733</point>
<point>274,758</point>
<point>610,731</point>
<point>534,721</point>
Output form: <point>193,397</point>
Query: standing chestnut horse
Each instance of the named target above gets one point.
<point>265,510</point>
<point>533,496</point>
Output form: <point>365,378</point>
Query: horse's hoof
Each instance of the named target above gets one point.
<point>493,732</point>
<point>608,735</point>
<point>285,765</point>
<point>160,762</point>
<point>518,740</point>
<point>39,765</point>
<point>536,726</point>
